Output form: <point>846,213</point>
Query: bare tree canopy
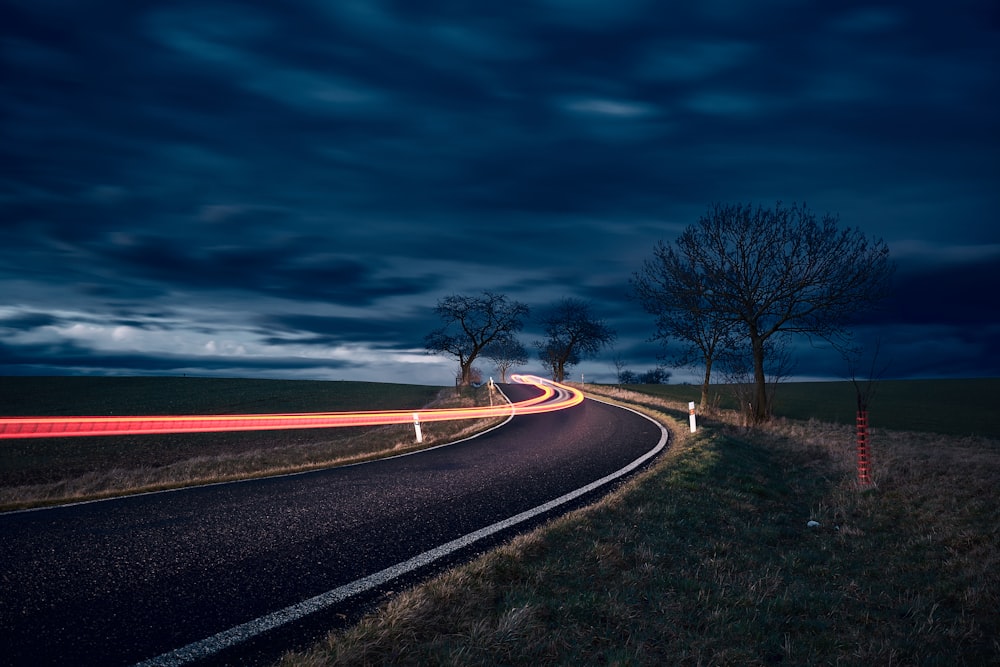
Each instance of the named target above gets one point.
<point>744,272</point>
<point>471,323</point>
<point>506,354</point>
<point>673,289</point>
<point>572,333</point>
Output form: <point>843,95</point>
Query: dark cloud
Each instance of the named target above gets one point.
<point>27,321</point>
<point>328,331</point>
<point>290,270</point>
<point>961,294</point>
<point>277,182</point>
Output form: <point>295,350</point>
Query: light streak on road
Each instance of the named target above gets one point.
<point>554,396</point>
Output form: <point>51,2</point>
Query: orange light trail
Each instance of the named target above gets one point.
<point>554,396</point>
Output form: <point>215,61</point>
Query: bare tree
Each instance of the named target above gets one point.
<point>471,323</point>
<point>672,287</point>
<point>572,333</point>
<point>621,366</point>
<point>768,271</point>
<point>506,354</point>
<point>864,389</point>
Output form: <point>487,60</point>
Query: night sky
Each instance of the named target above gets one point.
<point>286,189</point>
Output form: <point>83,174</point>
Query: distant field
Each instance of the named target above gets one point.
<point>949,407</point>
<point>36,396</point>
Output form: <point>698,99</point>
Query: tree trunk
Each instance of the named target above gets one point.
<point>705,384</point>
<point>760,411</point>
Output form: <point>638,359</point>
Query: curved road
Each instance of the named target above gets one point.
<point>219,572</point>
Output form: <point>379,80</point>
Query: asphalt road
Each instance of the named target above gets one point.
<point>121,581</point>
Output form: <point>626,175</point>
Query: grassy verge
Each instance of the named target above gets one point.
<point>706,558</point>
<point>36,472</point>
<point>949,407</point>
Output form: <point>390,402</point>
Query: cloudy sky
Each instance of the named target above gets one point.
<point>286,189</point>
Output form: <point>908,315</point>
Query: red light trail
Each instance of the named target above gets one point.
<point>554,396</point>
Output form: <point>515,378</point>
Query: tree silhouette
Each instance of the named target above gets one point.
<point>572,333</point>
<point>749,273</point>
<point>471,323</point>
<point>506,354</point>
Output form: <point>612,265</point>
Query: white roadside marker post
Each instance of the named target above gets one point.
<point>416,427</point>
<point>691,418</point>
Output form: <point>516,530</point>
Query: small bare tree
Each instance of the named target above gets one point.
<point>863,388</point>
<point>506,354</point>
<point>620,367</point>
<point>865,391</point>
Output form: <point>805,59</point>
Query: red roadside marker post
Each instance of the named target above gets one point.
<point>864,468</point>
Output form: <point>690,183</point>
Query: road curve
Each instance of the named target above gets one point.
<point>193,575</point>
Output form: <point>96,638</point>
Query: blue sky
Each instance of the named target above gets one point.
<point>270,189</point>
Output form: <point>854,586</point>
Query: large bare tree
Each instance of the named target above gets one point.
<point>471,323</point>
<point>764,271</point>
<point>673,289</point>
<point>572,333</point>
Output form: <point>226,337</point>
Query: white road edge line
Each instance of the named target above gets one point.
<point>209,646</point>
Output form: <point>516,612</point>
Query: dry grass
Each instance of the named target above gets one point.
<point>706,559</point>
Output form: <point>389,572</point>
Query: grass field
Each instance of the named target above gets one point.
<point>705,558</point>
<point>950,407</point>
<point>34,396</point>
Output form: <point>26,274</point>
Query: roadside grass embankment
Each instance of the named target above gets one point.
<point>967,406</point>
<point>45,471</point>
<point>706,559</point>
